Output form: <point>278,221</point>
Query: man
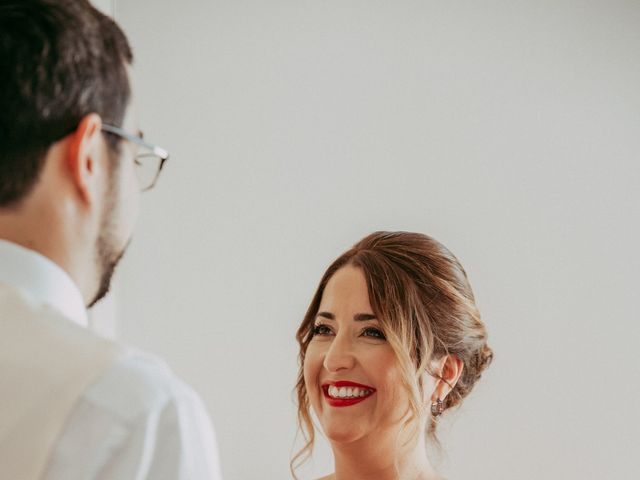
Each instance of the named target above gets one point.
<point>72,405</point>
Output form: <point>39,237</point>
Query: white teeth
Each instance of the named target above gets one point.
<point>348,392</point>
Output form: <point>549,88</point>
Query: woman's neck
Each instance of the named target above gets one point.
<point>373,459</point>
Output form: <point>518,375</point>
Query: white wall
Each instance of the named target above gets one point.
<point>508,130</point>
<point>105,5</point>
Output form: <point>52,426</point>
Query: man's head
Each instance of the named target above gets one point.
<point>64,73</point>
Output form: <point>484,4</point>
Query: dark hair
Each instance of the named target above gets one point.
<point>59,61</point>
<point>421,295</point>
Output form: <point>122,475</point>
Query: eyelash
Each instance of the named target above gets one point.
<point>319,329</point>
<point>377,333</point>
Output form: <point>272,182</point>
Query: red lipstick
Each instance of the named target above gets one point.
<point>345,402</point>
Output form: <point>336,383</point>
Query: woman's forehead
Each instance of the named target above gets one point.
<point>347,288</point>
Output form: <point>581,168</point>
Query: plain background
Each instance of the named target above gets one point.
<point>508,130</point>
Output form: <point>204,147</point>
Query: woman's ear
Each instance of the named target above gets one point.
<point>448,368</point>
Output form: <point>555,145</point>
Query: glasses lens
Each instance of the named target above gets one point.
<point>147,169</point>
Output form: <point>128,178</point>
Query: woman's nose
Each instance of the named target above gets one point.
<point>339,356</point>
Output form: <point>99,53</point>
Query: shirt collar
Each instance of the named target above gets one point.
<point>35,274</point>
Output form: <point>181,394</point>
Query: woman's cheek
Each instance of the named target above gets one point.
<point>311,372</point>
<point>394,394</point>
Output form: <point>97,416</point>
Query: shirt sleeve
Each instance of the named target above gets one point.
<point>137,422</point>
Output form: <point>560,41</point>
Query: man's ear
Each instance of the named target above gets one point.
<point>449,368</point>
<point>86,148</point>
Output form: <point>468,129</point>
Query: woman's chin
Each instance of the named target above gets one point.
<point>343,432</point>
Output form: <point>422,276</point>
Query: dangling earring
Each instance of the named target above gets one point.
<point>437,408</point>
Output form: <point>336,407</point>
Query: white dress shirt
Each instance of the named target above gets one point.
<point>137,421</point>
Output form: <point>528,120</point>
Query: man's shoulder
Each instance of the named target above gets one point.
<point>126,382</point>
<point>35,323</point>
<point>139,408</point>
<point>138,384</point>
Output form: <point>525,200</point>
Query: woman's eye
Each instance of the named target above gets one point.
<point>374,333</point>
<point>321,330</point>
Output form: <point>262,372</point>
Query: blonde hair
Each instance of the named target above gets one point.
<point>420,293</point>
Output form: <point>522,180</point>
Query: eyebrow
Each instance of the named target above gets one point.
<point>358,317</point>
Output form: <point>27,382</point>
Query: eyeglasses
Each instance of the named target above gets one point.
<point>149,161</point>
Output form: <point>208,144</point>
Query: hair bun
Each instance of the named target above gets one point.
<point>470,375</point>
<point>485,357</point>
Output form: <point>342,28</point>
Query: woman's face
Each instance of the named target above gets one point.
<point>351,373</point>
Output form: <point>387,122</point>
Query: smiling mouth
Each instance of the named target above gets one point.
<point>344,394</point>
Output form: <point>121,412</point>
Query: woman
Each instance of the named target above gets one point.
<point>392,339</point>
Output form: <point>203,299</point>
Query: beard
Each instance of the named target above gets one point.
<point>108,258</point>
<point>108,252</point>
